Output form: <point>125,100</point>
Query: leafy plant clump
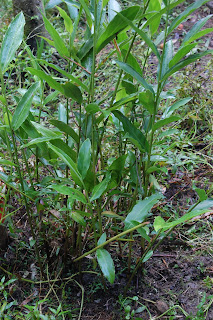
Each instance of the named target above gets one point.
<point>89,172</point>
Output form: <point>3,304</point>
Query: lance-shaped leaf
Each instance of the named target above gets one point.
<point>66,129</point>
<point>115,26</point>
<point>43,76</point>
<point>12,41</point>
<point>185,63</point>
<point>77,217</point>
<point>140,211</point>
<point>169,111</point>
<point>143,35</point>
<point>71,164</point>
<point>132,131</point>
<point>201,208</point>
<point>58,42</point>
<point>195,33</point>
<point>84,158</point>
<point>106,264</point>
<point>72,91</point>
<point>128,69</point>
<point>68,191</point>
<point>67,21</point>
<point>181,53</point>
<point>194,6</point>
<point>159,124</point>
<point>99,189</point>
<point>23,108</point>
<point>66,74</point>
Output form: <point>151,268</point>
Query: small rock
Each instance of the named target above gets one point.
<point>161,306</point>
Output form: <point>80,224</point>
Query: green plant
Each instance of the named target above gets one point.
<point>96,195</point>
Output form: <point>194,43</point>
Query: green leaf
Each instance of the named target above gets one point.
<point>7,162</point>
<point>181,53</point>
<point>67,21</point>
<point>23,108</point>
<point>155,18</point>
<point>153,7</point>
<point>141,210</point>
<point>66,129</point>
<point>84,158</point>
<point>194,32</point>
<point>92,108</point>
<point>143,35</point>
<point>201,193</point>
<point>185,63</point>
<point>167,57</point>
<point>106,264</point>
<point>71,192</point>
<point>146,98</point>
<point>65,148</point>
<point>77,217</point>
<point>46,131</point>
<point>132,131</point>
<point>71,164</point>
<point>194,6</point>
<point>118,164</point>
<point>115,26</point>
<point>72,91</point>
<point>197,36</point>
<point>58,42</point>
<point>38,140</point>
<point>102,239</point>
<point>148,256</point>
<point>99,189</point>
<point>88,14</point>
<point>159,124</point>
<point>128,69</point>
<point>66,74</point>
<point>201,208</point>
<point>168,112</point>
<point>11,41</point>
<point>43,76</point>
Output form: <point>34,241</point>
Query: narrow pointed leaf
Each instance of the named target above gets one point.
<point>77,217</point>
<point>140,211</point>
<point>168,112</point>
<point>106,264</point>
<point>66,129</point>
<point>115,26</point>
<point>143,35</point>
<point>12,40</point>
<point>58,42</point>
<point>186,62</point>
<point>181,53</point>
<point>23,108</point>
<point>159,124</point>
<point>66,74</point>
<point>167,57</point>
<point>67,21</point>
<point>181,17</point>
<point>84,158</point>
<point>132,131</point>
<point>43,76</point>
<point>72,91</point>
<point>193,33</point>
<point>128,69</point>
<point>68,191</point>
<point>71,164</point>
<point>201,208</point>
<point>99,189</point>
